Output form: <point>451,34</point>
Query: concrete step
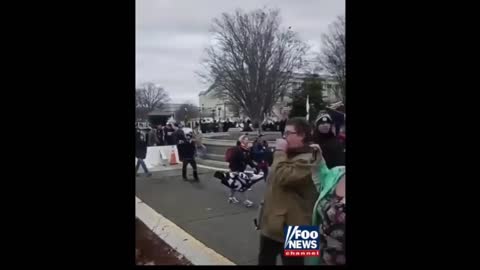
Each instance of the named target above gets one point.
<point>213,163</point>
<point>220,150</point>
<point>217,149</point>
<point>233,136</point>
<point>216,157</point>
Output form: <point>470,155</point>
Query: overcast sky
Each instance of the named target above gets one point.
<point>171,36</point>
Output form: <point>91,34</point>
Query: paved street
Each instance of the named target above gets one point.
<point>202,210</point>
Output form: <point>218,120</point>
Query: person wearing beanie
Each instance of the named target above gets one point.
<point>186,151</point>
<point>331,146</point>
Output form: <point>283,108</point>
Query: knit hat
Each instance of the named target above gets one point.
<point>323,118</point>
<point>242,137</point>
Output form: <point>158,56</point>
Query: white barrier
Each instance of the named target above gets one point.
<point>159,155</point>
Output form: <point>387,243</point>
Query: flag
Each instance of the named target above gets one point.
<point>308,108</point>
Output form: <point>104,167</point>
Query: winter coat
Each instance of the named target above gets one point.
<point>259,152</point>
<point>282,126</point>
<point>160,136</point>
<point>152,137</point>
<point>169,136</point>
<point>198,139</point>
<point>227,126</point>
<point>140,146</point>
<point>240,159</point>
<point>247,128</point>
<point>186,150</point>
<point>325,181</point>
<point>178,135</point>
<point>332,147</point>
<point>290,194</point>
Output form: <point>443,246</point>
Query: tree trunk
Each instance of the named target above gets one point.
<point>259,123</point>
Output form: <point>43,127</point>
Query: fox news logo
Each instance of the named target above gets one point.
<point>301,241</point>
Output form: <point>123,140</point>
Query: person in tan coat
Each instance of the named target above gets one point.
<point>290,195</point>
<point>198,137</point>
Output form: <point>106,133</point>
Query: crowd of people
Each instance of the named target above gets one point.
<point>188,144</point>
<point>305,186</point>
<point>169,134</point>
<point>305,177</point>
<point>244,125</point>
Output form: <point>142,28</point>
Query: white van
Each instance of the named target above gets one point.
<point>207,120</point>
<point>142,125</point>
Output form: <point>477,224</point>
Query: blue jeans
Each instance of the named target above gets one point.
<point>140,162</point>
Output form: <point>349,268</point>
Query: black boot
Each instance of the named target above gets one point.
<point>195,175</point>
<point>184,175</point>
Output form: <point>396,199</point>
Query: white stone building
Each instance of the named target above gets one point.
<point>212,106</point>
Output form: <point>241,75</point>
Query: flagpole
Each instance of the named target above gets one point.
<point>308,108</point>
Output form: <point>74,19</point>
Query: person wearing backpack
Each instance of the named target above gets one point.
<point>259,152</point>
<point>238,158</point>
<point>329,212</point>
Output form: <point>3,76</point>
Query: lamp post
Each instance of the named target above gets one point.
<point>186,116</point>
<point>224,111</point>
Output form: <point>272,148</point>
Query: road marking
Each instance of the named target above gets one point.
<point>195,251</point>
<point>212,168</point>
<point>219,169</point>
<point>162,168</point>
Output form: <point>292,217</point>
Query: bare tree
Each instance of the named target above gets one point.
<point>149,98</point>
<point>252,61</point>
<point>235,109</point>
<point>332,57</point>
<point>187,112</point>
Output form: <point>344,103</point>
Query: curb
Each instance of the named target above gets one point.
<point>192,249</point>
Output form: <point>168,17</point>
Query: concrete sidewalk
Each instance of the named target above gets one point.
<point>202,210</point>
